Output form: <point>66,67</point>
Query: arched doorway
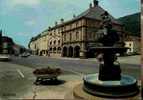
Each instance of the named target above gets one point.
<point>51,49</point>
<point>54,50</point>
<point>70,51</point>
<point>59,49</point>
<point>64,52</point>
<point>77,51</point>
<point>40,53</point>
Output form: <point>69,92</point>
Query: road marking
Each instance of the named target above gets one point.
<point>20,73</point>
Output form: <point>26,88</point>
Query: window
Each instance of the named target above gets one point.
<point>76,24</point>
<point>59,48</point>
<point>59,41</point>
<point>64,27</point>
<point>94,35</point>
<point>71,26</point>
<point>50,49</point>
<point>77,35</point>
<point>35,46</point>
<point>64,37</point>
<point>55,42</point>
<point>54,49</point>
<point>59,30</point>
<point>70,36</point>
<point>90,35</point>
<point>50,42</point>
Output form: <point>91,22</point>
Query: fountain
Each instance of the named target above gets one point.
<point>109,82</point>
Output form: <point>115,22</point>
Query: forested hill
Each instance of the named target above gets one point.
<point>132,23</point>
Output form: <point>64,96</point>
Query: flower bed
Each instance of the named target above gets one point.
<point>49,71</point>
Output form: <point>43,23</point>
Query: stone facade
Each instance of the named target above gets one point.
<point>75,37</point>
<point>55,41</point>
<point>39,45</point>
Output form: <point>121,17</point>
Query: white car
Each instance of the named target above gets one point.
<point>25,54</point>
<point>4,57</point>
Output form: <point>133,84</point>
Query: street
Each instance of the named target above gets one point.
<point>129,65</point>
<point>16,78</point>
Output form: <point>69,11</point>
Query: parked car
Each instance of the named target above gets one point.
<point>4,57</point>
<point>25,54</point>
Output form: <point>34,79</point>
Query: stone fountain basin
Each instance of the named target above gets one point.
<point>125,87</point>
<point>125,80</point>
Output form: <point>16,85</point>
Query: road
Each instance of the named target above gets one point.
<point>16,78</point>
<point>13,83</point>
<point>129,65</point>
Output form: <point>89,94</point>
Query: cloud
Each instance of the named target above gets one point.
<point>22,34</point>
<point>31,22</point>
<point>30,3</point>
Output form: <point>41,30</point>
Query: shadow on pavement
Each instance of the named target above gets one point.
<point>50,82</point>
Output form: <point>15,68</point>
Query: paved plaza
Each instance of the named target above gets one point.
<point>16,78</point>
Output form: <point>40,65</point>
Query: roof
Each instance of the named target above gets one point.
<point>92,13</point>
<point>95,13</point>
<point>7,39</point>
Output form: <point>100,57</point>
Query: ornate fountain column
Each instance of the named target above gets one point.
<point>109,71</point>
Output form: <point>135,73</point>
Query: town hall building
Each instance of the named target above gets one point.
<point>75,37</point>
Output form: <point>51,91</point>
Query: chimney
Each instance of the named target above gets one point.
<point>49,28</point>
<point>90,5</point>
<point>74,15</point>
<point>56,23</point>
<point>62,20</point>
<point>95,2</point>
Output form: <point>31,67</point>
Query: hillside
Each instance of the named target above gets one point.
<point>132,23</point>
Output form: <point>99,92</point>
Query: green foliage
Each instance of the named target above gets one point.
<point>131,24</point>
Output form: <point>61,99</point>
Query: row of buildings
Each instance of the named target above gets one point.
<point>7,46</point>
<point>75,37</point>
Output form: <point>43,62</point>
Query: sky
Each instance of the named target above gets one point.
<point>23,19</point>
